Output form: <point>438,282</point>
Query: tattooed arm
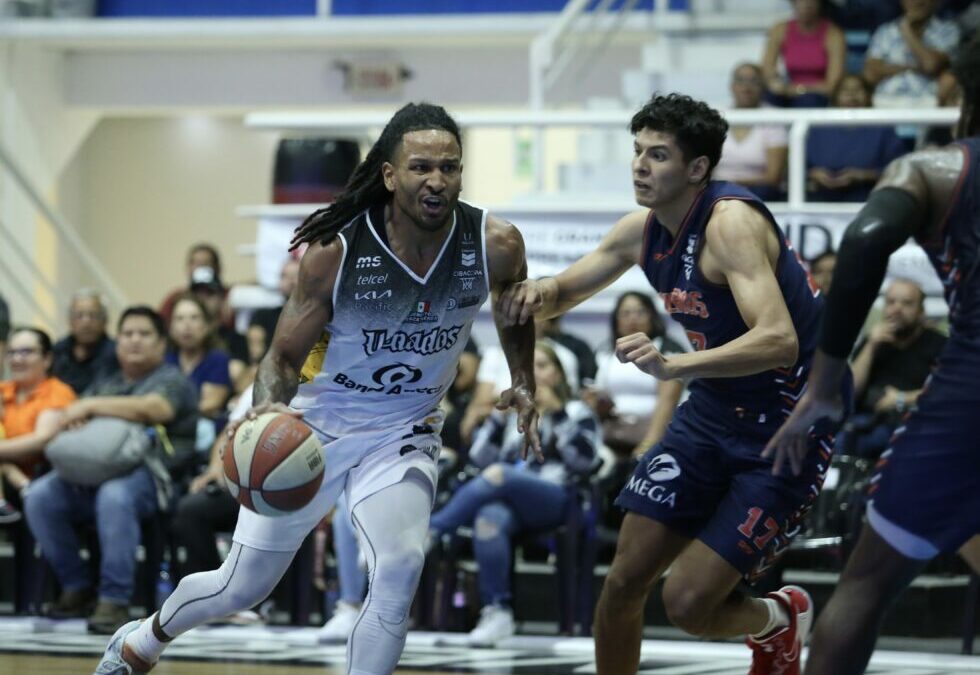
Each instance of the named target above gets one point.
<point>300,325</point>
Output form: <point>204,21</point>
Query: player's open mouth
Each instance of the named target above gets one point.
<point>432,205</point>
<point>637,185</point>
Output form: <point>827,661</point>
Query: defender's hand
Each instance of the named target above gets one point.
<point>522,400</point>
<point>792,440</point>
<point>519,302</point>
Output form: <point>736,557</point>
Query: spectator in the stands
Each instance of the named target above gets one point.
<point>30,402</point>
<point>634,408</point>
<point>512,495</point>
<point>195,354</point>
<point>146,391</point>
<point>845,161</point>
<point>262,325</point>
<point>552,330</point>
<point>87,352</point>
<point>906,56</point>
<point>822,269</point>
<point>207,286</point>
<point>493,377</point>
<point>812,51</point>
<point>949,95</point>
<point>892,363</point>
<point>201,255</point>
<point>754,155</point>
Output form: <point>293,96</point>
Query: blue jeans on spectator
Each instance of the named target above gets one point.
<point>353,579</point>
<point>54,506</point>
<point>521,501</point>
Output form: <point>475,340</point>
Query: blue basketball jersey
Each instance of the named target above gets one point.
<point>953,249</point>
<point>708,311</point>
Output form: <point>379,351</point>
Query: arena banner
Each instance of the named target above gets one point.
<point>556,239</point>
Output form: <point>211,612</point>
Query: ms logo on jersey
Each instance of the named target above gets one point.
<point>366,261</point>
<point>662,468</point>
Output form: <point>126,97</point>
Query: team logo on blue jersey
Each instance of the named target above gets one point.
<point>662,468</point>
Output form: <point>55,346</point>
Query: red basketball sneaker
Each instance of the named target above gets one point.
<point>779,653</point>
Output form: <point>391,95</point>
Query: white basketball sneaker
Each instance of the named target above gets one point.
<point>113,662</point>
<point>340,625</point>
<point>496,624</point>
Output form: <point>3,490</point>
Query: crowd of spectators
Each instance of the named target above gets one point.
<point>178,375</point>
<point>852,55</point>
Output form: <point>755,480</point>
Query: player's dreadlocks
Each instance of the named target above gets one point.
<point>366,186</point>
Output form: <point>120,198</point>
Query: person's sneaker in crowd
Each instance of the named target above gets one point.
<point>779,652</point>
<point>8,514</point>
<point>107,618</point>
<point>340,625</point>
<point>119,658</point>
<point>73,604</point>
<point>496,623</point>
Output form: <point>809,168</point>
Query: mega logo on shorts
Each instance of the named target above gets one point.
<point>659,469</point>
<point>422,342</point>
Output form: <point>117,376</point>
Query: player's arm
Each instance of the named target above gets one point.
<point>300,325</point>
<point>737,242</point>
<point>907,201</point>
<point>552,296</point>
<point>508,266</point>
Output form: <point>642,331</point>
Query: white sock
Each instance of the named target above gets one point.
<point>778,618</point>
<point>145,643</point>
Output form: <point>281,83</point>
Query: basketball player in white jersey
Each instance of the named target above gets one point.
<point>396,272</point>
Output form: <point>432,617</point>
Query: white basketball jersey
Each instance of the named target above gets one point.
<point>395,337</point>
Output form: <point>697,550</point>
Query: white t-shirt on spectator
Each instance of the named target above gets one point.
<point>746,159</point>
<point>888,45</point>
<point>493,366</point>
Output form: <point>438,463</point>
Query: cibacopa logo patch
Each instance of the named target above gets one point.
<point>662,468</point>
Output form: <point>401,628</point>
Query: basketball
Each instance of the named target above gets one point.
<point>274,465</point>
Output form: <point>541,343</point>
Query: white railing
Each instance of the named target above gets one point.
<point>799,122</point>
<point>66,232</point>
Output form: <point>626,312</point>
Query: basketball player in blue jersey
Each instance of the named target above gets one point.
<point>703,501</point>
<point>925,498</point>
<point>396,272</point>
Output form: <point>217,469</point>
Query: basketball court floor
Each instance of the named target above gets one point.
<point>33,646</point>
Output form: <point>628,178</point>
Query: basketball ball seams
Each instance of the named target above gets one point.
<point>274,465</point>
<point>275,442</point>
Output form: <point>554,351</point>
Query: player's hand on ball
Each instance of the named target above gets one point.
<point>519,302</point>
<point>638,349</point>
<point>260,409</point>
<point>522,400</point>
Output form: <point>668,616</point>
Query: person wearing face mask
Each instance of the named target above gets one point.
<point>892,363</point>
<point>844,162</point>
<point>30,402</point>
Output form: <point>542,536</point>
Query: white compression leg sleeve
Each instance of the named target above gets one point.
<point>392,524</point>
<point>245,579</point>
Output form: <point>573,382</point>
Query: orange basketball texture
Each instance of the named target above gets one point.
<point>274,465</point>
